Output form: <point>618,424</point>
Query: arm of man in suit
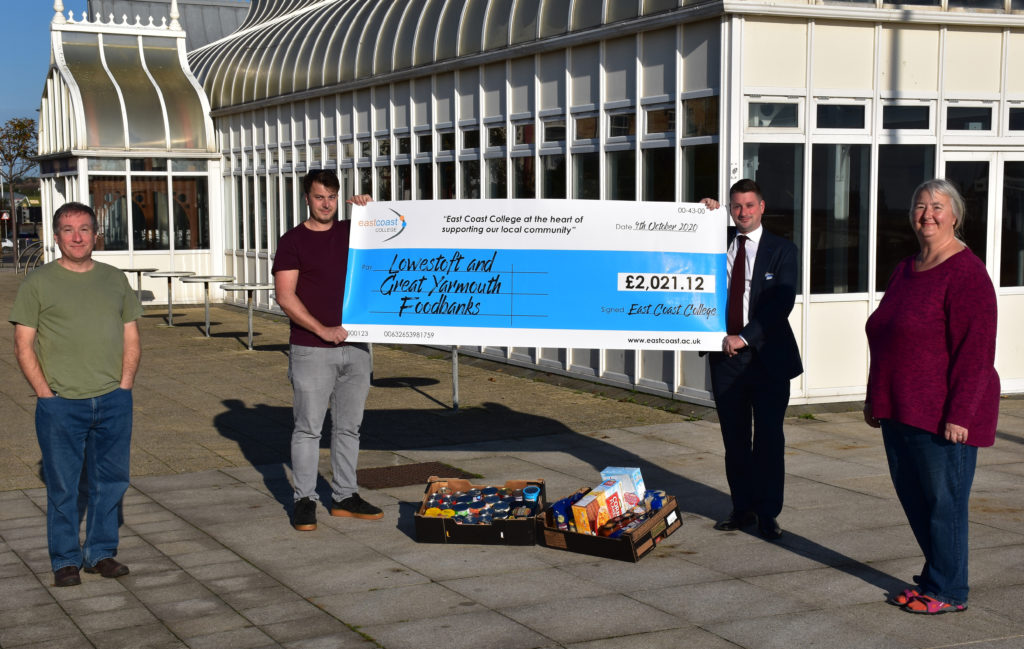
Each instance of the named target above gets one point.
<point>775,297</point>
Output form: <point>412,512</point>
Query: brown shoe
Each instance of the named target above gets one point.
<point>66,576</point>
<point>109,568</point>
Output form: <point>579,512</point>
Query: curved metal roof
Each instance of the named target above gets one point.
<point>121,86</point>
<point>289,46</point>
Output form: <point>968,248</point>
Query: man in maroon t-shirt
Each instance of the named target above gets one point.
<point>325,371</point>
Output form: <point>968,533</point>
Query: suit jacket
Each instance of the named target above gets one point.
<point>772,294</point>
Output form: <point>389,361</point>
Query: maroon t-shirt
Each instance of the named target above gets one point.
<point>322,260</point>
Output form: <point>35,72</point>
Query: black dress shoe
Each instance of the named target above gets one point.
<point>109,568</point>
<point>66,576</point>
<point>736,521</point>
<point>769,528</point>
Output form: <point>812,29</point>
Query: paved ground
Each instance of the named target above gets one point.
<point>215,563</point>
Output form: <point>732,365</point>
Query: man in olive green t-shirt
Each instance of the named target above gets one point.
<point>77,342</point>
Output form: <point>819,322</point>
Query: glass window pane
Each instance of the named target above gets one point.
<point>975,4</point>
<point>384,183</point>
<point>524,133</point>
<point>1017,117</point>
<point>659,174</point>
<point>621,175</point>
<point>553,180</point>
<point>426,143</point>
<point>523,178</point>
<point>772,115</point>
<point>621,124</point>
<point>840,116</point>
<point>424,181</point>
<point>496,136</point>
<point>240,213</point>
<point>778,170</point>
<point>972,179</point>
<point>100,102</point>
<point>108,196</point>
<point>900,169</point>
<point>471,179</point>
<point>905,117</point>
<point>554,130</point>
<point>384,147</point>
<point>192,214</point>
<point>446,141</point>
<point>263,216</point>
<point>188,125</point>
<point>404,145</point>
<point>1011,269</point>
<point>586,127</point>
<point>969,118</point>
<point>497,185</point>
<point>289,203</point>
<point>403,183</point>
<point>150,225</point>
<point>585,174</point>
<point>445,180</point>
<point>699,175</point>
<point>701,116</point>
<point>471,139</point>
<point>840,179</point>
<point>365,178</point>
<point>141,102</point>
<point>661,120</point>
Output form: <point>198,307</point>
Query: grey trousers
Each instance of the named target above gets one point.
<point>336,378</point>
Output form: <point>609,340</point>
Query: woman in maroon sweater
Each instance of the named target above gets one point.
<point>934,391</point>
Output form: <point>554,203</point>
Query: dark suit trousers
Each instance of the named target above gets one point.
<point>751,406</point>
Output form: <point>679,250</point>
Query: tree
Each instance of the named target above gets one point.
<point>17,146</point>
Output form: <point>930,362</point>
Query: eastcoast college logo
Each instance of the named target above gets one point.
<point>393,226</point>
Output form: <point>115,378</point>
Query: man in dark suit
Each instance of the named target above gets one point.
<point>750,376</point>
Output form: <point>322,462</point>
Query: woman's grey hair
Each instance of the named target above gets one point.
<point>948,189</point>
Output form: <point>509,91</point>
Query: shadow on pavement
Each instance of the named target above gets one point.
<point>263,435</point>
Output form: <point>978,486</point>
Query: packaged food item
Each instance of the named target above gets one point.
<point>630,480</point>
<point>588,515</point>
<point>609,496</point>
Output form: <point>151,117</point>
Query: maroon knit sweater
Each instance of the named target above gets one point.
<point>933,342</point>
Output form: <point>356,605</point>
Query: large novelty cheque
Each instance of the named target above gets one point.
<point>537,273</point>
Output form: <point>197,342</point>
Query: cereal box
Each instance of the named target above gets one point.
<point>609,495</point>
<point>631,483</point>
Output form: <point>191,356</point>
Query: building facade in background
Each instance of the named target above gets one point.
<point>837,109</point>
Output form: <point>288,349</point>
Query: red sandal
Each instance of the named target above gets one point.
<point>901,599</point>
<point>924,605</point>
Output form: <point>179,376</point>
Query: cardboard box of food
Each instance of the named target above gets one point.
<point>631,546</point>
<point>435,529</point>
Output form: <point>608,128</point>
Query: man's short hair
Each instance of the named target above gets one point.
<point>744,186</point>
<point>325,177</point>
<point>75,208</point>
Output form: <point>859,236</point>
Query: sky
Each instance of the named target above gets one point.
<point>26,54</point>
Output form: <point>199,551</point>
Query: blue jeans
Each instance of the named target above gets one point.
<point>933,478</point>
<point>95,432</point>
<point>337,378</point>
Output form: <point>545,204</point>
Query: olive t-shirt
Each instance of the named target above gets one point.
<point>79,320</point>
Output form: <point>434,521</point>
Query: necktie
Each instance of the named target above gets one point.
<point>737,284</point>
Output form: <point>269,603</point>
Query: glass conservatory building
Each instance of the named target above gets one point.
<point>837,108</point>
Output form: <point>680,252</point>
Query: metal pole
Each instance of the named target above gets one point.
<point>206,303</point>
<point>250,292</point>
<point>455,378</point>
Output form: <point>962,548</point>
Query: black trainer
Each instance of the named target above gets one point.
<point>356,507</point>
<point>304,516</point>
